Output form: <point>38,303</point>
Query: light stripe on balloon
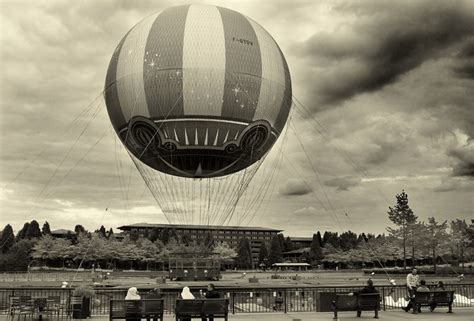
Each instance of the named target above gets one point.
<point>203,69</point>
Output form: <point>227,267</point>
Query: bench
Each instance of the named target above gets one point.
<point>433,298</point>
<point>357,302</point>
<point>202,308</point>
<point>136,309</point>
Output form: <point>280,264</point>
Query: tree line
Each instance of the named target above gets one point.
<point>408,240</point>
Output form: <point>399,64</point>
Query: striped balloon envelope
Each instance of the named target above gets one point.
<point>198,91</point>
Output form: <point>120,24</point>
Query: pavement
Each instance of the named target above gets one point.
<point>460,314</point>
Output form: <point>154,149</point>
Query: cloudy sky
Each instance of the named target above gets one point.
<point>385,103</point>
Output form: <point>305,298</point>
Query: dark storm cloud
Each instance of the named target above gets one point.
<point>464,67</point>
<point>387,40</point>
<point>295,186</point>
<point>343,183</point>
<point>464,157</point>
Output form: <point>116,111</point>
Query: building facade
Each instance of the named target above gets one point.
<point>229,234</point>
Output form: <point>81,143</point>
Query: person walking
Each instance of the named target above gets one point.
<point>413,280</point>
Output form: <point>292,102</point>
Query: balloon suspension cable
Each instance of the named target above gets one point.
<point>318,176</point>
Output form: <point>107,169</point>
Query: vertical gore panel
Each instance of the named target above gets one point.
<point>273,77</point>
<point>287,99</point>
<point>203,61</point>
<point>130,71</point>
<point>243,67</point>
<point>163,63</point>
<point>110,91</point>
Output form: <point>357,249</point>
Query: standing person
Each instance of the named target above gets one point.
<point>413,280</point>
<point>439,287</point>
<point>211,294</point>
<point>186,295</point>
<point>369,288</point>
<point>131,309</point>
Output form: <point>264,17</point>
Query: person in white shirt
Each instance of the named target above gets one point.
<point>413,280</point>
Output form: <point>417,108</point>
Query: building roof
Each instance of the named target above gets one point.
<point>199,227</point>
<point>62,232</point>
<point>298,251</point>
<point>290,264</point>
<point>301,239</point>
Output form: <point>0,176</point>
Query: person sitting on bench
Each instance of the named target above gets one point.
<point>439,287</point>
<point>369,288</point>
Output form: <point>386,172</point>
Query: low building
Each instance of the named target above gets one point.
<point>63,234</point>
<point>229,234</point>
<point>297,256</point>
<point>300,242</point>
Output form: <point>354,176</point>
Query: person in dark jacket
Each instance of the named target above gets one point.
<point>439,287</point>
<point>211,294</point>
<point>368,289</point>
<point>153,295</point>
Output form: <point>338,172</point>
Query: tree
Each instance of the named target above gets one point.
<point>165,236</point>
<point>348,240</point>
<point>315,251</point>
<point>263,255</point>
<point>102,231</point>
<point>33,230</point>
<point>402,216</point>
<point>331,238</point>
<point>288,245</point>
<point>8,239</point>
<point>134,235</point>
<point>462,240</point>
<point>46,230</point>
<point>208,242</point>
<point>154,234</point>
<point>320,239</point>
<point>79,229</point>
<point>435,236</point>
<point>22,233</point>
<point>110,233</point>
<point>276,254</point>
<point>244,254</point>
<point>18,258</point>
<point>186,239</point>
<point>224,251</point>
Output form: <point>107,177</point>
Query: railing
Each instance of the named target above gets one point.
<point>243,300</point>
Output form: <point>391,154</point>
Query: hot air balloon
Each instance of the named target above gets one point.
<point>197,92</point>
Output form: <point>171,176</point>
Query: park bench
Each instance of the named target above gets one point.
<point>202,308</point>
<point>358,302</point>
<point>438,298</point>
<point>136,309</point>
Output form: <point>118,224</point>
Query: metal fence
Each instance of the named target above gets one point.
<point>245,300</point>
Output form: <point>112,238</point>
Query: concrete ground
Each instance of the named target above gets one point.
<point>460,314</point>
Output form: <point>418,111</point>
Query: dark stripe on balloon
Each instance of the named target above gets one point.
<point>163,63</point>
<point>287,98</point>
<point>110,91</point>
<point>243,67</point>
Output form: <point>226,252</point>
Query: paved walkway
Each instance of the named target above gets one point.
<point>460,314</point>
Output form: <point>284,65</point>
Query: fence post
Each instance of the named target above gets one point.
<point>233,302</point>
<point>383,298</point>
<point>285,301</point>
